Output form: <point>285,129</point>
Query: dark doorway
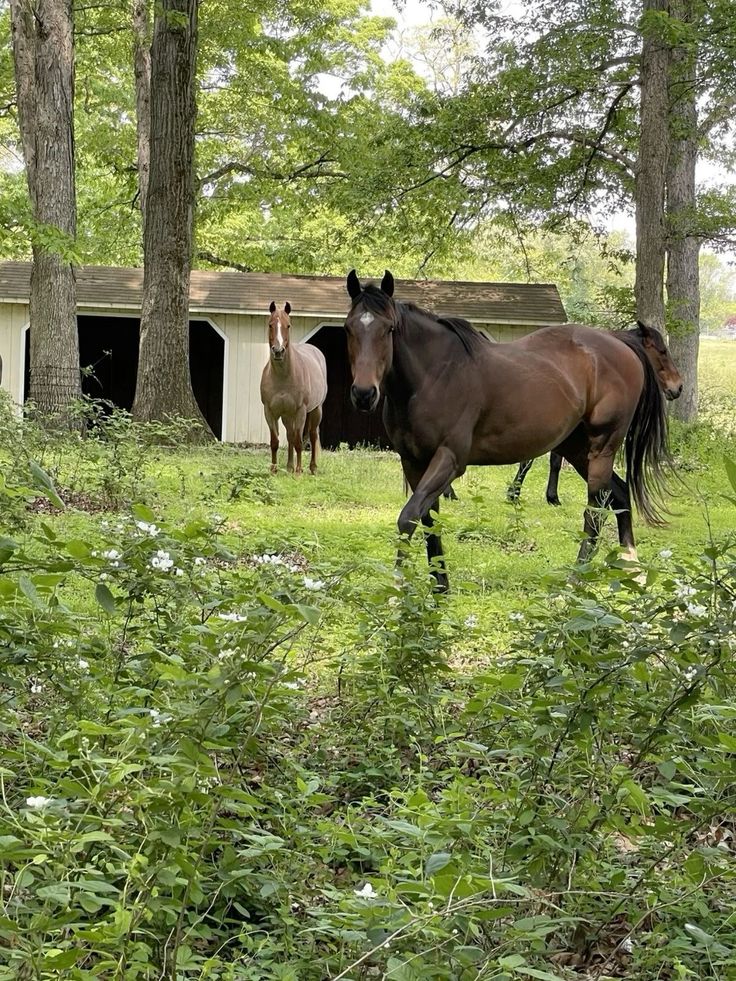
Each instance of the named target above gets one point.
<point>108,354</point>
<point>341,423</point>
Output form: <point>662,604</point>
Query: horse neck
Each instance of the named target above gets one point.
<point>419,349</point>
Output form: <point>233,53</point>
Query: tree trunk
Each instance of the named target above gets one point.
<point>142,70</point>
<point>651,170</point>
<point>43,53</point>
<point>164,385</point>
<point>683,248</point>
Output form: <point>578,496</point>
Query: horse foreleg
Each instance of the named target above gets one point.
<point>514,491</point>
<point>427,487</point>
<point>273,426</point>
<point>294,433</point>
<point>553,481</point>
<point>313,421</point>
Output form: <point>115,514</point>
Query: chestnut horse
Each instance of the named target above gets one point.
<point>293,388</point>
<point>670,381</point>
<point>453,399</point>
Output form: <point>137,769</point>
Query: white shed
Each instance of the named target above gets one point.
<point>228,336</point>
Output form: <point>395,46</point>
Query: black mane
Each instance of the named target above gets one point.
<point>375,300</point>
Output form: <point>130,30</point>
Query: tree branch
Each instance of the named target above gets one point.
<point>215,260</point>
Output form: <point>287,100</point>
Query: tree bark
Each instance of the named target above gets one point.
<point>651,171</point>
<point>164,385</point>
<point>43,54</point>
<point>683,248</point>
<point>142,71</point>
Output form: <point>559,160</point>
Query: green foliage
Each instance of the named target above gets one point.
<point>238,745</point>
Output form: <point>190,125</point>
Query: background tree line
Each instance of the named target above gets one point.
<point>493,147</point>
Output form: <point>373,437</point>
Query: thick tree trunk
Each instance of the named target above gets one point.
<point>142,70</point>
<point>650,172</point>
<point>683,252</point>
<point>43,52</point>
<point>164,385</point>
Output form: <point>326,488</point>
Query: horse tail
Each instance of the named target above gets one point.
<point>647,453</point>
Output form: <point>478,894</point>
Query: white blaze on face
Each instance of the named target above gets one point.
<point>367,318</point>
<point>279,342</point>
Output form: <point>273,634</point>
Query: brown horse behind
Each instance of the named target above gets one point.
<point>453,399</point>
<point>293,388</point>
<point>653,345</point>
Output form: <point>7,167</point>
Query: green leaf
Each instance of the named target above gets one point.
<point>436,862</point>
<point>45,484</point>
<point>105,598</point>
<point>143,513</point>
<point>29,590</point>
<point>730,471</point>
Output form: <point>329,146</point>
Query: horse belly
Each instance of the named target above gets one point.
<point>515,441</point>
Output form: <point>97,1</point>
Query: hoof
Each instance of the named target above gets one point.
<point>313,471</point>
<point>298,472</point>
<point>274,468</point>
<point>554,501</point>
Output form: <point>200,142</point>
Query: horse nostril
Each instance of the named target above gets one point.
<point>363,398</point>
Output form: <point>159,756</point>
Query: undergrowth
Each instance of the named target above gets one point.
<point>227,757</point>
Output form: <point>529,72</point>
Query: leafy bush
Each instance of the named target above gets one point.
<point>222,758</point>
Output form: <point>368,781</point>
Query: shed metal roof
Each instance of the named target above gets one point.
<point>323,297</point>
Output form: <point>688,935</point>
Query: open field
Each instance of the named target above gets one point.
<point>236,745</point>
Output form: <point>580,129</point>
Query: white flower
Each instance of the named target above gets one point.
<point>690,672</point>
<point>217,518</point>
<point>158,717</point>
<point>683,591</point>
<point>39,801</point>
<point>199,560</point>
<point>666,553</point>
<point>178,571</point>
<point>289,684</point>
<point>314,584</point>
<point>695,610</point>
<point>366,892</point>
<point>627,945</point>
<point>148,529</point>
<point>228,652</point>
<point>162,560</point>
<point>104,576</point>
<point>471,621</point>
<point>36,687</point>
<point>84,665</point>
<point>516,616</point>
<point>113,557</point>
<point>235,617</point>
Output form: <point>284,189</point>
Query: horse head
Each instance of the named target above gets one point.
<point>670,379</point>
<point>369,326</point>
<point>279,326</point>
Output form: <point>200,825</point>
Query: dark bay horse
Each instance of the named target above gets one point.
<point>454,399</point>
<point>670,381</point>
<point>293,388</point>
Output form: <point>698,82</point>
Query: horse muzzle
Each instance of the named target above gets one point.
<point>673,393</point>
<point>364,399</point>
<point>278,355</point>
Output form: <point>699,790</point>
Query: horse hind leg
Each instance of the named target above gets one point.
<point>514,489</point>
<point>595,466</point>
<point>553,481</point>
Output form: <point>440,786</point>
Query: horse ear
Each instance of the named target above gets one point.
<point>272,308</point>
<point>387,283</point>
<point>644,332</point>
<point>353,284</point>
<point>287,307</point>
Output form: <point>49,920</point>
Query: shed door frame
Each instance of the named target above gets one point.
<point>132,316</point>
